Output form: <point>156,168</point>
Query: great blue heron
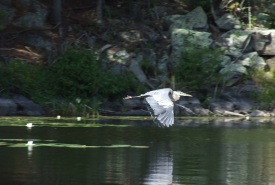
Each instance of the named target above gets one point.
<point>161,104</point>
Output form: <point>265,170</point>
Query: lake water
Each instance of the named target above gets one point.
<point>123,151</point>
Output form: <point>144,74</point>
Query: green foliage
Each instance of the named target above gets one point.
<point>77,73</point>
<point>266,84</point>
<point>84,82</point>
<point>24,78</point>
<point>198,68</point>
<point>271,21</point>
<point>76,83</point>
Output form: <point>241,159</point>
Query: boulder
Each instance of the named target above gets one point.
<point>26,107</point>
<point>195,20</point>
<point>232,68</point>
<point>228,22</point>
<point>271,63</point>
<point>182,39</point>
<point>218,106</point>
<point>6,16</point>
<point>135,68</point>
<point>240,103</point>
<point>131,36</point>
<point>38,41</point>
<point>118,55</point>
<point>162,63</point>
<point>159,11</point>
<point>32,19</point>
<point>226,60</point>
<point>253,60</point>
<point>233,42</point>
<point>264,41</point>
<point>7,107</point>
<point>259,113</point>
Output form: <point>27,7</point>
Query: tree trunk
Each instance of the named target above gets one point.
<point>56,12</point>
<point>99,11</point>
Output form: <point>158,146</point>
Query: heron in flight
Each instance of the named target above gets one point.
<point>160,104</point>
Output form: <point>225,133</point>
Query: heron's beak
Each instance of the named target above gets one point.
<point>184,94</point>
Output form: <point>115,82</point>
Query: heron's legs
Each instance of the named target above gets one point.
<point>140,96</point>
<point>186,109</point>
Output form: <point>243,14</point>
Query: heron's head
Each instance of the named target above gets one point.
<point>177,94</point>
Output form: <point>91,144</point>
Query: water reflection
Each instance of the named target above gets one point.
<point>248,163</point>
<point>30,148</point>
<point>226,151</point>
<point>160,169</point>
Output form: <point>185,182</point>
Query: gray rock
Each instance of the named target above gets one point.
<point>183,39</point>
<point>240,103</point>
<point>218,106</point>
<point>159,11</point>
<point>196,20</point>
<point>232,78</point>
<point>233,42</point>
<point>228,22</point>
<point>233,52</point>
<point>162,63</point>
<point>259,113</point>
<point>271,63</point>
<point>253,60</point>
<point>131,36</point>
<point>226,60</point>
<point>264,41</point>
<point>138,72</point>
<point>34,19</point>
<point>118,55</point>
<point>26,107</point>
<point>38,41</point>
<point>233,67</point>
<point>7,107</point>
<point>7,14</point>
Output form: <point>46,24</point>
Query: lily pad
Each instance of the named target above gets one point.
<point>139,146</point>
<point>118,146</point>
<point>3,143</point>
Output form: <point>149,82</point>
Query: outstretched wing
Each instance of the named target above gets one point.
<point>161,107</point>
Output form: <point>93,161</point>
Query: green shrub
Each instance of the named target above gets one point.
<point>76,82</point>
<point>198,68</point>
<point>266,87</point>
<point>78,73</point>
<point>24,78</point>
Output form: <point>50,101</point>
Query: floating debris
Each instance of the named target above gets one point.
<point>30,143</point>
<point>29,125</point>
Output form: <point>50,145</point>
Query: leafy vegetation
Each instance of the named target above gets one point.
<point>198,68</point>
<point>267,86</point>
<point>80,74</point>
<point>77,77</point>
<point>24,78</point>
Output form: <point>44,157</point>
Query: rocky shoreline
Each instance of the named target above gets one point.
<point>243,49</point>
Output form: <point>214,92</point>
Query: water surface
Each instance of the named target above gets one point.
<point>123,151</point>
